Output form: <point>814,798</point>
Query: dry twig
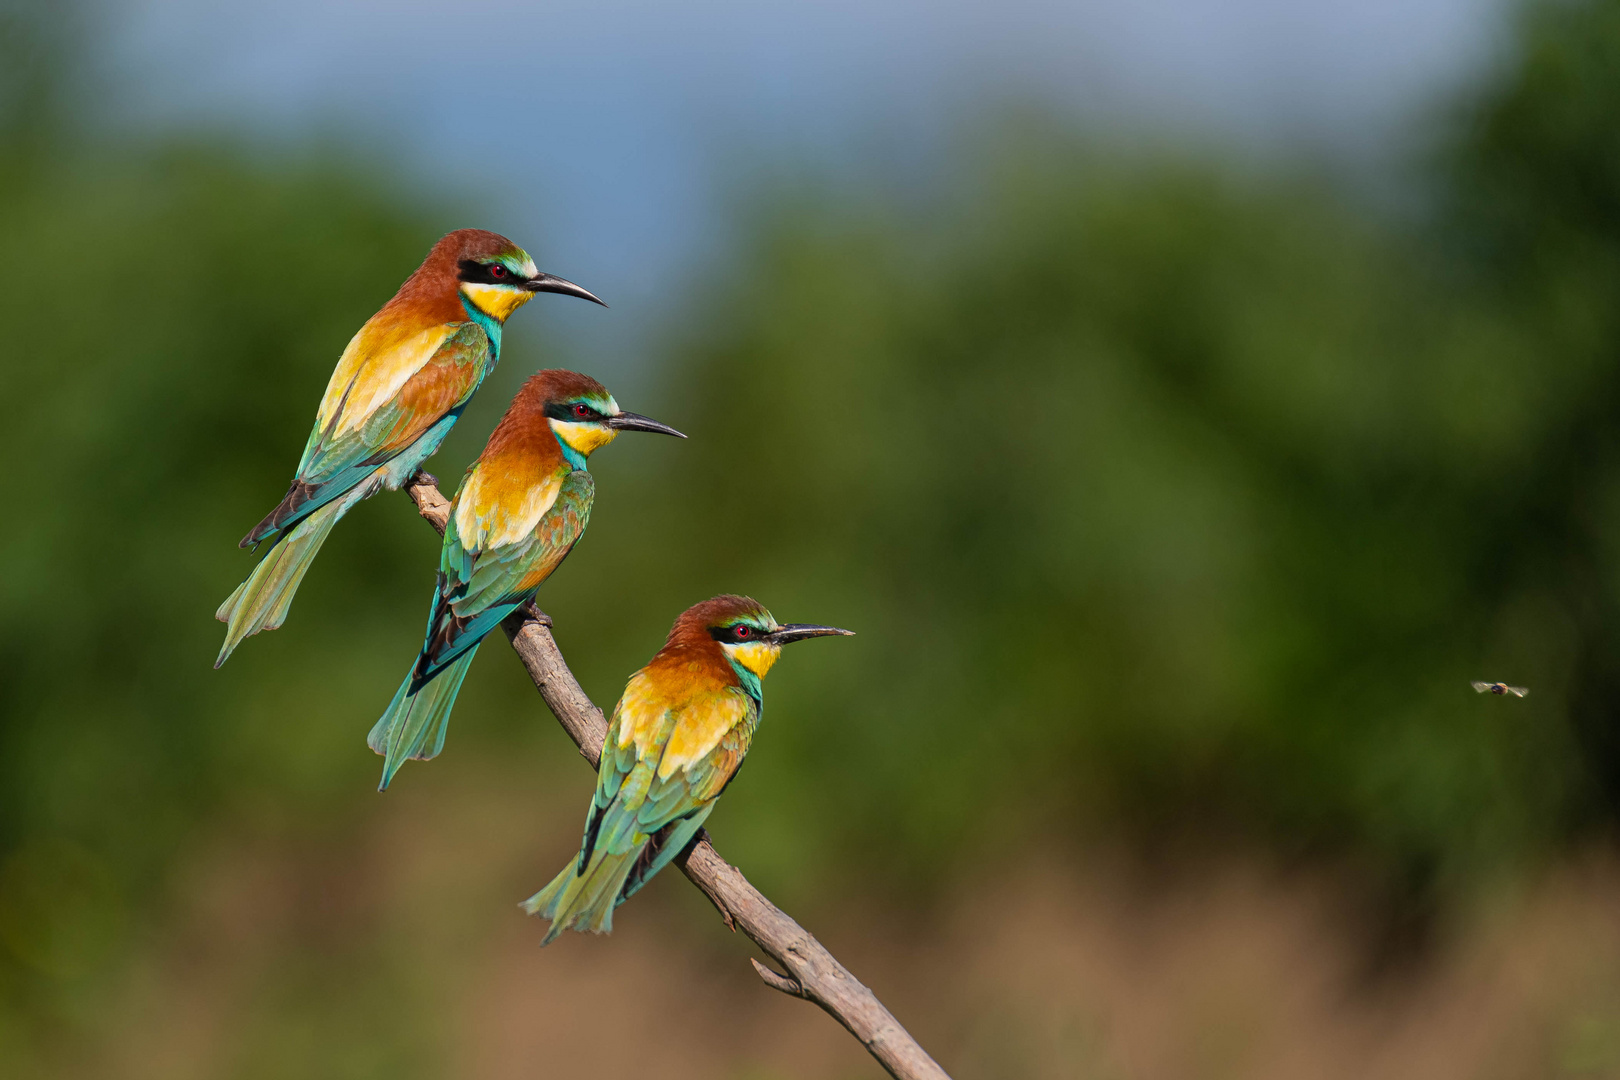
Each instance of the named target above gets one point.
<point>813,973</point>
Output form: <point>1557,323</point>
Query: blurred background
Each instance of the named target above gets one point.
<point>1184,401</point>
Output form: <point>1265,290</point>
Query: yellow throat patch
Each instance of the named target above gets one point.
<point>583,438</point>
<point>496,301</point>
<point>756,656</point>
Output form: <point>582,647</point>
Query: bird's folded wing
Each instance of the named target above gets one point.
<point>635,793</point>
<point>389,401</point>
<point>510,573</point>
<point>445,368</point>
<point>636,799</point>
<point>479,589</point>
<point>620,755</point>
<point>674,809</point>
<point>624,773</point>
<point>455,558</point>
<point>649,798</point>
<point>703,749</point>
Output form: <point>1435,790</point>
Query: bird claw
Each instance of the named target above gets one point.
<point>532,610</point>
<point>420,477</point>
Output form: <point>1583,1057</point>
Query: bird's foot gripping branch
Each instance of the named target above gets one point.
<point>812,972</point>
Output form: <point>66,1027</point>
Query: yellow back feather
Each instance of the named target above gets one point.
<point>379,360</point>
<point>501,502</point>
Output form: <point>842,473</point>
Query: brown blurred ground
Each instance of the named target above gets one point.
<point>1081,966</point>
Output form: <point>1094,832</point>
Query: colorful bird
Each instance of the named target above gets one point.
<point>398,389</point>
<point>519,511</point>
<point>679,734</point>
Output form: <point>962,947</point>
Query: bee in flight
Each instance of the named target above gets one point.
<point>1499,688</point>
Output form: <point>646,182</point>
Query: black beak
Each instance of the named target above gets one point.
<point>629,421</point>
<point>550,283</point>
<point>790,632</point>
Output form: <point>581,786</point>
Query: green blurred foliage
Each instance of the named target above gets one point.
<point>1534,176</point>
<point>1167,504</point>
<point>172,310</point>
<point>1163,502</point>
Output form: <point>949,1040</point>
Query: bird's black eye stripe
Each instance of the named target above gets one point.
<point>484,273</point>
<point>560,410</point>
<point>736,632</point>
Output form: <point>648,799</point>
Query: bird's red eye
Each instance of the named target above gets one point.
<point>744,631</point>
<point>497,271</point>
<point>582,411</point>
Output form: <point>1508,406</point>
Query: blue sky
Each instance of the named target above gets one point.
<point>607,136</point>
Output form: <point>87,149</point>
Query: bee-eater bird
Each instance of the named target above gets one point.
<point>398,389</point>
<point>519,511</point>
<point>678,736</point>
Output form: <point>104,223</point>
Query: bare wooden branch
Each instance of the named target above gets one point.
<point>813,973</point>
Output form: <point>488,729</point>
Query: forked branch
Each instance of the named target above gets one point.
<point>813,973</point>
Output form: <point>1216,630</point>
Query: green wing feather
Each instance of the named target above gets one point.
<point>333,464</point>
<point>639,822</point>
<point>462,358</point>
<point>682,803</point>
<point>479,589</point>
<point>476,591</point>
<point>634,802</point>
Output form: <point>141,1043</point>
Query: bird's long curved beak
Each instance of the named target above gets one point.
<point>790,632</point>
<point>552,283</point>
<point>629,421</point>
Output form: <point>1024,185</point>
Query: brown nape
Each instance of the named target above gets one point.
<point>692,626</point>
<point>433,289</point>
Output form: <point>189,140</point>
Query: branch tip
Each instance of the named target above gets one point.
<point>775,981</point>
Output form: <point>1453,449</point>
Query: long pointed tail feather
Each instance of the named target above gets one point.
<point>414,725</point>
<point>261,602</point>
<point>671,844</point>
<point>584,901</point>
<point>439,655</point>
